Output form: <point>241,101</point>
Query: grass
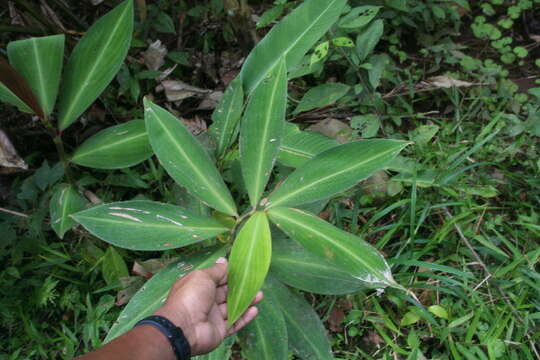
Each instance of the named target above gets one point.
<point>459,227</point>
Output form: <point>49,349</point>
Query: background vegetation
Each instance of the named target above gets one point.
<point>456,216</point>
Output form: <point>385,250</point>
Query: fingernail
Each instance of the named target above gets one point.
<point>221,260</point>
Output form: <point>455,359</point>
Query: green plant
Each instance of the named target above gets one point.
<point>31,81</point>
<point>333,253</point>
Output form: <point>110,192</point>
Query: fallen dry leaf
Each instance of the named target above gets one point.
<point>448,82</point>
<point>154,56</point>
<point>8,155</point>
<point>210,101</point>
<point>335,319</point>
<point>150,267</point>
<point>195,125</point>
<point>333,128</point>
<point>176,90</point>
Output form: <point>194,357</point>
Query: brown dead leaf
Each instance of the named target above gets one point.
<point>176,90</point>
<point>333,128</point>
<point>325,215</point>
<point>210,101</point>
<point>448,82</point>
<point>130,286</point>
<point>376,184</point>
<point>154,56</point>
<point>149,267</point>
<point>373,338</point>
<point>335,319</point>
<point>8,155</point>
<point>195,125</point>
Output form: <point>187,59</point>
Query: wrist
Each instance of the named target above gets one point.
<point>183,321</point>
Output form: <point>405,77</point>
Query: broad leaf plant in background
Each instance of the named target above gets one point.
<point>274,239</point>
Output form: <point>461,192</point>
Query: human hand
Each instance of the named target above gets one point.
<point>197,305</point>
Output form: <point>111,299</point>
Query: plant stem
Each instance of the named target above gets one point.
<point>57,139</point>
<point>62,154</point>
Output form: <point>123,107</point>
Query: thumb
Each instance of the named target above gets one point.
<point>218,272</point>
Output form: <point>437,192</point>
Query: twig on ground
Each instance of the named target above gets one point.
<point>12,212</point>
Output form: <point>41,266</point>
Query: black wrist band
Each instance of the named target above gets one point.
<point>175,335</point>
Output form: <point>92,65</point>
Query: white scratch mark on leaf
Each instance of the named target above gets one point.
<point>169,220</point>
<point>125,216</point>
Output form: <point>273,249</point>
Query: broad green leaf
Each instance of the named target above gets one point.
<point>305,330</point>
<point>299,268</point>
<point>265,338</point>
<point>340,248</point>
<point>335,170</point>
<point>439,311</point>
<point>64,202</point>
<point>299,146</point>
<point>261,131</point>
<point>291,38</point>
<point>248,264</point>
<point>39,61</point>
<point>225,117</point>
<point>222,352</point>
<point>185,159</point>
<point>15,90</point>
<point>95,61</point>
<point>116,147</point>
<point>147,225</point>
<point>321,95</point>
<point>9,97</point>
<point>359,16</point>
<point>153,294</point>
<point>113,266</point>
<point>368,39</point>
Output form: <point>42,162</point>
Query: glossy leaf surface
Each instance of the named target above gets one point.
<point>64,202</point>
<point>261,131</point>
<point>225,117</point>
<point>335,170</point>
<point>95,61</point>
<point>265,338</point>
<point>154,292</point>
<point>299,146</point>
<point>15,90</point>
<point>39,60</point>
<point>305,330</point>
<point>248,264</point>
<point>147,225</point>
<point>291,38</point>
<point>299,268</point>
<point>116,147</point>
<point>185,159</point>
<point>340,248</point>
<point>322,95</point>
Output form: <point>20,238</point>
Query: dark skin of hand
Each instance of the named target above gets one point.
<point>197,305</point>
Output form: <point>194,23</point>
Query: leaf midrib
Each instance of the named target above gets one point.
<point>336,244</point>
<point>273,203</point>
<point>123,140</point>
<point>286,52</point>
<point>90,73</point>
<point>200,176</point>
<point>243,275</point>
<point>313,265</point>
<point>41,78</point>
<point>157,225</point>
<point>259,171</point>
